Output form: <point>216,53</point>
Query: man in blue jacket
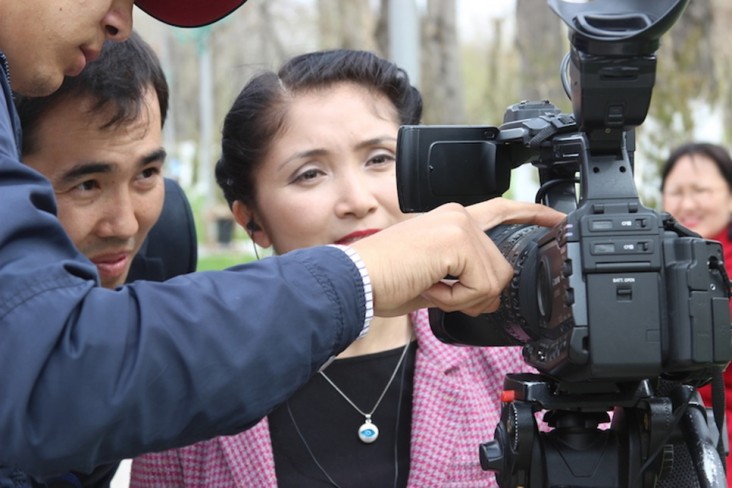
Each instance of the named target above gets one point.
<point>90,375</point>
<point>98,139</point>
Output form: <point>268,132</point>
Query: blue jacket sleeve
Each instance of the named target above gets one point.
<point>89,375</point>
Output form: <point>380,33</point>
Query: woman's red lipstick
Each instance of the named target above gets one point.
<point>355,236</point>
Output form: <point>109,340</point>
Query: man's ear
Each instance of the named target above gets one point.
<point>245,217</point>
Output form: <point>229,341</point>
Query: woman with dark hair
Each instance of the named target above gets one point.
<point>398,407</point>
<point>696,186</point>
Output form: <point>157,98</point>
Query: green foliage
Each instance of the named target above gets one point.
<point>221,260</point>
<point>489,82</point>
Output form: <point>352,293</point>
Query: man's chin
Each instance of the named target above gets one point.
<point>113,283</point>
<point>39,86</point>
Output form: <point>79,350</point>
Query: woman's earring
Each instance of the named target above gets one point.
<point>253,227</point>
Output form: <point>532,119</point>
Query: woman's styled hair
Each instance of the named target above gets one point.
<point>259,111</point>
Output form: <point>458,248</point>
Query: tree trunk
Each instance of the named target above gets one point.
<point>441,76</point>
<point>541,42</point>
<point>346,24</point>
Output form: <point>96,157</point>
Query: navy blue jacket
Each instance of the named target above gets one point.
<point>90,375</point>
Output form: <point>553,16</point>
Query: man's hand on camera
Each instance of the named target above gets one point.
<point>408,262</point>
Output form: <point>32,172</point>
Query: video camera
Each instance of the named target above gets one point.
<point>617,294</point>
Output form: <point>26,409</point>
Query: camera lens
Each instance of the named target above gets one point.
<point>527,298</point>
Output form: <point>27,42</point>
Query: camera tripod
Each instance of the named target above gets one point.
<point>663,441</point>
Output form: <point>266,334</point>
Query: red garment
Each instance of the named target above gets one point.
<point>706,391</point>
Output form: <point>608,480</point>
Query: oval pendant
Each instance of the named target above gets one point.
<point>368,432</point>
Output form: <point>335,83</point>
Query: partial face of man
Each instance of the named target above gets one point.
<point>108,182</point>
<point>46,40</point>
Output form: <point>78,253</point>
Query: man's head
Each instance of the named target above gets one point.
<point>98,140</point>
<point>46,40</point>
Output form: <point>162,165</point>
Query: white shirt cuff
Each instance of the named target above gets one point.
<point>367,290</point>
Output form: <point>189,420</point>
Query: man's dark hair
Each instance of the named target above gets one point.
<point>118,78</point>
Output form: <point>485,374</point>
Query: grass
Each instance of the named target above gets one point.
<point>220,260</point>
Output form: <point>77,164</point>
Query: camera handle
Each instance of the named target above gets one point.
<point>653,441</point>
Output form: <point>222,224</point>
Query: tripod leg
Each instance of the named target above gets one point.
<point>700,441</point>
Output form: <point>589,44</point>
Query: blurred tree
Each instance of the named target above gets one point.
<point>381,28</point>
<point>346,24</point>
<point>495,65</point>
<point>686,81</point>
<point>685,77</point>
<point>541,42</point>
<point>442,85</point>
<point>721,50</point>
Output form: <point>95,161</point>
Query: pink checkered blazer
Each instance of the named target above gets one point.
<point>456,407</point>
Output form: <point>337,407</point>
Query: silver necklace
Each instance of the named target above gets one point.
<point>369,432</point>
<point>396,427</point>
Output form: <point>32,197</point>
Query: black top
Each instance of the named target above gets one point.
<point>328,425</point>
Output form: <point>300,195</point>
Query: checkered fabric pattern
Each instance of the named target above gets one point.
<point>456,407</point>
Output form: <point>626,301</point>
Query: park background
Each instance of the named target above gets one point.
<point>471,59</point>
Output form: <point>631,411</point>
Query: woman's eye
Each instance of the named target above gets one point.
<point>382,159</point>
<point>308,174</point>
